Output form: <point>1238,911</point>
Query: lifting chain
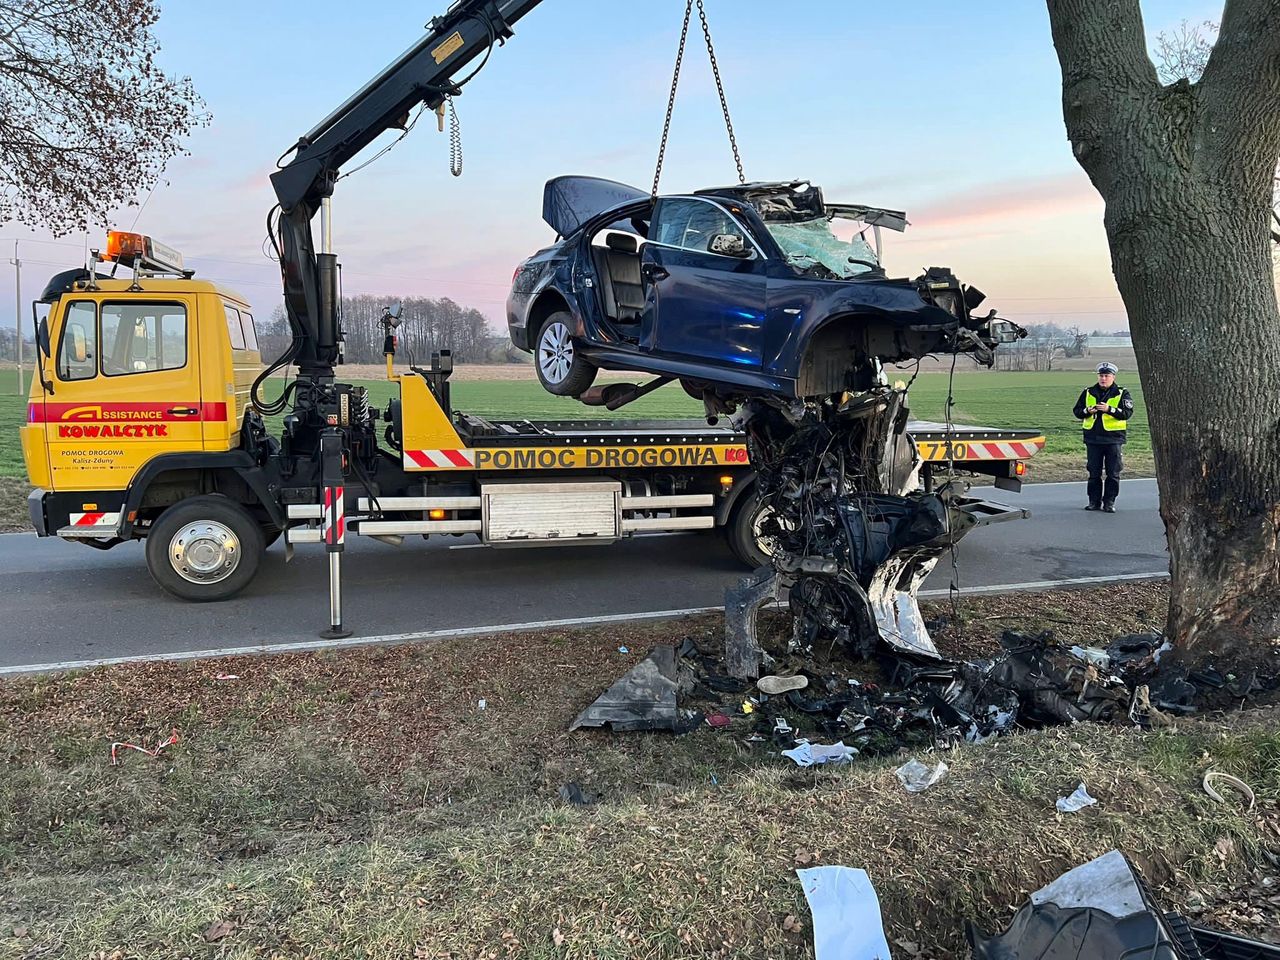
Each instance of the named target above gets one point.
<point>675,83</point>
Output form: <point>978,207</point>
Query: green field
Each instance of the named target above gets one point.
<point>1040,401</point>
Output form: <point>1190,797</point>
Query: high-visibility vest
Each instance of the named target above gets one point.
<point>1109,422</point>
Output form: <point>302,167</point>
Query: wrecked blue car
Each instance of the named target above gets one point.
<point>762,288</point>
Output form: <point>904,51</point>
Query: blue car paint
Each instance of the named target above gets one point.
<point>746,323</point>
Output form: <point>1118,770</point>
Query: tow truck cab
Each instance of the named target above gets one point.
<point>140,378</point>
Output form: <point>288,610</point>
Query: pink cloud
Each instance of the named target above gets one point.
<point>1034,198</point>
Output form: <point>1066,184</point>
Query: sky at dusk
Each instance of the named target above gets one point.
<point>951,111</point>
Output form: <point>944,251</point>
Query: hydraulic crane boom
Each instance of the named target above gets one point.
<point>426,73</point>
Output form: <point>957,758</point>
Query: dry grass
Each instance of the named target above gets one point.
<point>13,505</point>
<point>360,804</point>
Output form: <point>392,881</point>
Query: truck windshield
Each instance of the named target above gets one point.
<point>813,248</point>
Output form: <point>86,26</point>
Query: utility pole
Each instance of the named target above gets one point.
<point>17,312</point>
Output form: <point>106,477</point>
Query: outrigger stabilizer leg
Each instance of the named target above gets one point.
<point>335,526</point>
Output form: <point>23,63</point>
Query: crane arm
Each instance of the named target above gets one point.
<point>426,73</point>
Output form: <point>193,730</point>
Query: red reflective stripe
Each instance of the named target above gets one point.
<point>89,519</point>
<point>419,457</point>
<point>993,451</point>
<point>456,457</point>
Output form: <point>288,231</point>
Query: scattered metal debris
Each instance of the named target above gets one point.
<point>149,751</point>
<point>917,777</point>
<point>1077,801</point>
<point>846,914</point>
<point>1103,909</point>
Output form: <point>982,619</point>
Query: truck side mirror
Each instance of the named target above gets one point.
<point>396,310</point>
<point>729,245</point>
<point>79,352</point>
<point>42,336</point>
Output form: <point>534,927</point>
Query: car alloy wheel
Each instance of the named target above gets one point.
<point>555,352</point>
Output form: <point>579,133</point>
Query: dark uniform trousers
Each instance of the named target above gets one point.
<point>1108,458</point>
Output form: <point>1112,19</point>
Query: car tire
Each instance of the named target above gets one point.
<point>743,534</point>
<point>204,549</point>
<point>561,369</point>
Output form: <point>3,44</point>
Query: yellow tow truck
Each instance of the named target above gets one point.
<point>140,426</point>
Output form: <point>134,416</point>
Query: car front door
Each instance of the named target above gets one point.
<point>701,305</point>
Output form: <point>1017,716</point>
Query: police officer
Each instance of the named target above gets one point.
<point>1104,410</point>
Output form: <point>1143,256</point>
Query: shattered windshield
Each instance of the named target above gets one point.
<point>813,248</point>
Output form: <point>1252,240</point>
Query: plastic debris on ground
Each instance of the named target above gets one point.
<point>227,676</point>
<point>808,754</point>
<point>917,777</point>
<point>1076,801</point>
<point>149,751</point>
<point>644,698</point>
<point>1235,783</point>
<point>573,793</point>
<point>1104,909</point>
<point>846,914</point>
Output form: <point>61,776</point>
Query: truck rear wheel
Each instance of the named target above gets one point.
<point>205,548</point>
<point>743,532</point>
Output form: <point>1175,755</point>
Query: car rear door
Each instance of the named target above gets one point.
<point>698,304</point>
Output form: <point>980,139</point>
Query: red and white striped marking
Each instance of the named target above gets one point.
<point>1003,450</point>
<point>97,518</point>
<point>440,459</point>
<point>335,519</point>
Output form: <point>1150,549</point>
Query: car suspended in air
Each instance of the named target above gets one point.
<point>760,288</point>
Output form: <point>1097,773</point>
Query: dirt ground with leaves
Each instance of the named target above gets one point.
<point>363,804</point>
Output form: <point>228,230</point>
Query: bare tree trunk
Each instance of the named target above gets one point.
<point>1186,173</point>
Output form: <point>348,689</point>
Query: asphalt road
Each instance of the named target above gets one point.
<point>64,602</point>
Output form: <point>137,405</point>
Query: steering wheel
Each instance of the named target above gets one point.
<point>866,263</point>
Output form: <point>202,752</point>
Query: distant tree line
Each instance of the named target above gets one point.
<point>426,325</point>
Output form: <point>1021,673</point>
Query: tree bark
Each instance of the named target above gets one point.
<point>1186,172</point>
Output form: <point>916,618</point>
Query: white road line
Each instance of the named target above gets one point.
<point>310,646</point>
<point>1034,484</point>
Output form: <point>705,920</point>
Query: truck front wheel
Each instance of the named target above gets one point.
<point>205,548</point>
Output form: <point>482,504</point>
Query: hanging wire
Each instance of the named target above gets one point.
<point>455,140</point>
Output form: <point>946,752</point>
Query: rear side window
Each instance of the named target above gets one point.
<point>233,327</point>
<point>250,332</point>
<point>78,349</point>
<point>143,337</point>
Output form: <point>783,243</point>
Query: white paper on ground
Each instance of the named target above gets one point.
<point>808,754</point>
<point>846,914</point>
<point>1077,801</point>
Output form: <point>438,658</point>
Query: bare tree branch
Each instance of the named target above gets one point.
<point>88,118</point>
